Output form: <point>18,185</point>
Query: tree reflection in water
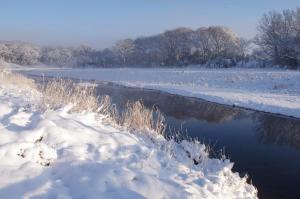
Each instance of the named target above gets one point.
<point>278,130</point>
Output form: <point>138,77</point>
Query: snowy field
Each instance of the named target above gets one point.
<point>58,154</point>
<point>270,90</point>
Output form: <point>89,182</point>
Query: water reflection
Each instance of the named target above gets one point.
<point>172,105</point>
<point>268,128</point>
<point>278,130</point>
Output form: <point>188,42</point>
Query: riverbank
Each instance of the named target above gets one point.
<point>67,154</point>
<point>269,90</point>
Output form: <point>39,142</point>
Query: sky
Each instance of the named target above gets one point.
<point>100,23</point>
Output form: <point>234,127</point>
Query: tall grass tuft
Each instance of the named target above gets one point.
<point>61,92</point>
<point>139,118</point>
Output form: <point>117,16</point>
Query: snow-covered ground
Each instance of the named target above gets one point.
<point>270,90</point>
<point>57,154</point>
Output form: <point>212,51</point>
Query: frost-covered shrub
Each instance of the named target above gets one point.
<point>20,53</point>
<point>221,63</point>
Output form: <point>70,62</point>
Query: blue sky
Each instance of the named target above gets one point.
<point>100,23</point>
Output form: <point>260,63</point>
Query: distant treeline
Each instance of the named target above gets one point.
<point>277,42</point>
<point>178,47</point>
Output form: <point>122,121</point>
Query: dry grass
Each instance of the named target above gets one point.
<point>58,93</point>
<point>139,118</point>
<point>7,77</point>
<point>136,117</point>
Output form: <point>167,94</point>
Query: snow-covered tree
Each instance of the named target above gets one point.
<point>83,56</point>
<point>181,46</point>
<point>106,58</point>
<point>124,49</point>
<point>20,53</point>
<point>57,56</point>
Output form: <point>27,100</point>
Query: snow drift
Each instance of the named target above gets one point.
<point>63,152</point>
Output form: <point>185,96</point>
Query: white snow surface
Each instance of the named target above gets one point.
<point>57,154</point>
<point>270,90</point>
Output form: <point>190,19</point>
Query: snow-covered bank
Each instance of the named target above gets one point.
<point>270,90</point>
<point>57,154</point>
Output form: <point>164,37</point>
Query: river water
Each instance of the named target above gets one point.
<point>264,146</point>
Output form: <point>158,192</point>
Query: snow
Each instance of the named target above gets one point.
<point>57,154</point>
<point>270,90</point>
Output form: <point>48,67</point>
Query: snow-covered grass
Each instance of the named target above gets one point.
<point>270,90</point>
<point>61,92</point>
<point>62,153</point>
<point>6,77</point>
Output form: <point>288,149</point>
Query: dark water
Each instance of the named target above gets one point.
<point>265,146</point>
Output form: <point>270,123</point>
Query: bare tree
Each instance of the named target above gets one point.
<point>178,45</point>
<point>278,36</point>
<point>150,50</point>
